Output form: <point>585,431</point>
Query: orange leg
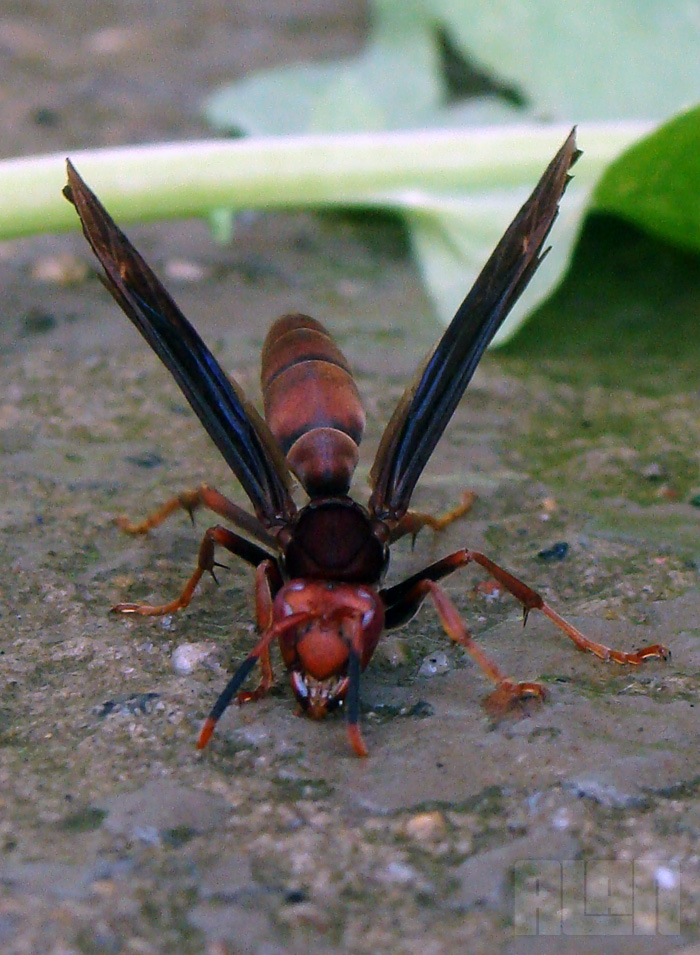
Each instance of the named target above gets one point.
<point>507,694</point>
<point>189,501</point>
<point>265,577</point>
<point>531,600</point>
<point>403,600</point>
<point>205,563</point>
<point>413,521</point>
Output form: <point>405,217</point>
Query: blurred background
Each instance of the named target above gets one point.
<point>85,74</point>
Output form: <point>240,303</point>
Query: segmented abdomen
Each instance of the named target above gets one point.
<point>312,404</point>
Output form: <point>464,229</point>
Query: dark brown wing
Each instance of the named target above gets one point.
<point>428,404</point>
<point>235,427</point>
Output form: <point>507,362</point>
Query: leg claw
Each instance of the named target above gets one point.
<point>514,699</point>
<point>125,608</point>
<point>250,696</point>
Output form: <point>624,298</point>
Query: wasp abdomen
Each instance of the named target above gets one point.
<point>312,404</point>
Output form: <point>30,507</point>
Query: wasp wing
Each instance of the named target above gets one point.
<point>428,404</point>
<point>235,427</point>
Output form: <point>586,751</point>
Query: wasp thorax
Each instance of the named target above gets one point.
<point>335,539</point>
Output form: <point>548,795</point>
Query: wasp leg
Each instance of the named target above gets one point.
<point>508,695</point>
<point>239,546</point>
<point>414,521</point>
<point>232,687</point>
<point>353,693</point>
<point>189,501</point>
<point>531,600</point>
<point>403,600</point>
<point>268,581</point>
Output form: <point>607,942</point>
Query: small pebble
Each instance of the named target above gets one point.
<point>490,590</point>
<point>64,269</point>
<point>434,664</point>
<point>189,656</point>
<point>393,650</point>
<point>557,551</point>
<point>667,877</point>
<point>667,493</point>
<point>399,873</point>
<point>135,704</point>
<point>561,820</point>
<point>182,270</point>
<point>113,40</point>
<point>425,827</point>
<point>654,471</point>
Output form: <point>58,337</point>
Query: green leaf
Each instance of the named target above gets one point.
<point>562,59</point>
<point>592,60</point>
<point>452,245</point>
<point>394,84</point>
<point>569,61</point>
<point>453,235</point>
<point>655,184</point>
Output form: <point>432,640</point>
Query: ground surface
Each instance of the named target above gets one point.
<point>115,836</point>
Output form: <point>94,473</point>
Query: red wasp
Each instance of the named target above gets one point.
<point>319,568</point>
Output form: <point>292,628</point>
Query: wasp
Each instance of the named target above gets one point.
<point>319,568</point>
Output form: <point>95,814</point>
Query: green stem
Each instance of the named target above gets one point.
<point>179,180</point>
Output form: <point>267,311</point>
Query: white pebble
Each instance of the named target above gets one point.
<point>182,270</point>
<point>666,877</point>
<point>188,656</point>
<point>434,664</point>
